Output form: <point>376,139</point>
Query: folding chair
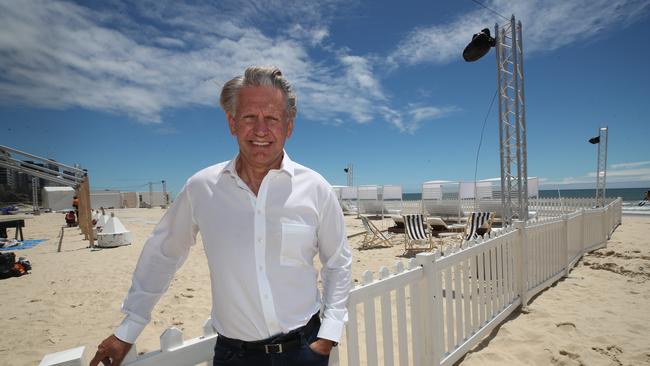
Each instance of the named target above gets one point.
<point>416,237</point>
<point>439,226</point>
<point>478,223</point>
<point>373,237</point>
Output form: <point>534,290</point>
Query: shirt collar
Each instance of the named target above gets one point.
<point>287,165</point>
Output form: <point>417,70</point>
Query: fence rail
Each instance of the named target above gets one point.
<point>434,310</point>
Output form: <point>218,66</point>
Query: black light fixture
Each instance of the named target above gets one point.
<point>594,140</point>
<point>479,46</point>
<point>345,170</point>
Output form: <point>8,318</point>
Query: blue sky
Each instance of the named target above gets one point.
<point>131,92</point>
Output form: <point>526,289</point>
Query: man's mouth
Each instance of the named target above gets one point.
<point>261,143</point>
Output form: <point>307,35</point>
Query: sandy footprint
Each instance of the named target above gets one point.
<point>612,352</point>
<point>569,358</point>
<point>566,325</point>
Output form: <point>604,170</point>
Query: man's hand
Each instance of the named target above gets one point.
<point>111,352</point>
<point>322,346</point>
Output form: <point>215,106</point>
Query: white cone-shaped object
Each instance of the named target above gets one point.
<point>103,220</point>
<point>100,223</point>
<point>113,234</point>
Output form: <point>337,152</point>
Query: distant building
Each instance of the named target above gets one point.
<point>7,179</point>
<point>130,200</point>
<point>106,198</point>
<point>153,200</point>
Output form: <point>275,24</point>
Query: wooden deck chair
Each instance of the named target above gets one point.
<point>478,223</point>
<point>439,226</point>
<point>417,239</point>
<point>373,237</point>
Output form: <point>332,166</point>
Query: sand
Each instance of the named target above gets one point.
<point>599,315</point>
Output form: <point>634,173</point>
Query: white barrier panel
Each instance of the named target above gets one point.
<point>439,308</point>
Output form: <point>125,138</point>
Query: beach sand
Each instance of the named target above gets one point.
<point>597,316</point>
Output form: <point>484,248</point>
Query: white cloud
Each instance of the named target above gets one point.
<point>429,113</point>
<point>547,25</point>
<point>411,119</point>
<point>630,165</point>
<point>627,173</point>
<point>613,175</point>
<point>142,58</point>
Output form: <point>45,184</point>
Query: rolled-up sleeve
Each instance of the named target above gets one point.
<point>163,253</point>
<point>336,258</point>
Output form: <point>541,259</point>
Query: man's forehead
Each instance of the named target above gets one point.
<point>260,97</point>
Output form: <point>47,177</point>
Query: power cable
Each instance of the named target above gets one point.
<point>494,11</point>
<point>480,142</point>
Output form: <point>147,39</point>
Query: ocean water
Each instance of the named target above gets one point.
<point>631,196</point>
<point>628,194</point>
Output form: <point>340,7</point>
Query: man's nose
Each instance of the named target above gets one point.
<point>261,125</point>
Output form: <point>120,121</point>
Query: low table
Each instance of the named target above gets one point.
<point>449,235</point>
<point>13,221</point>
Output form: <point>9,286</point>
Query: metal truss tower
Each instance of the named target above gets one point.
<point>350,174</point>
<point>512,121</point>
<point>601,168</point>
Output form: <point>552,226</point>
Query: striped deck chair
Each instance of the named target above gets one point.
<point>416,237</point>
<point>373,237</point>
<point>478,223</point>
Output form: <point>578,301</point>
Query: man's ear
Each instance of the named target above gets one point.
<point>290,128</point>
<point>231,123</point>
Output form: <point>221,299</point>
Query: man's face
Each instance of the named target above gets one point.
<point>261,126</point>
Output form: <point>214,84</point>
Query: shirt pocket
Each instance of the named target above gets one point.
<point>297,244</point>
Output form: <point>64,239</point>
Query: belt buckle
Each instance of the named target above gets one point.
<point>273,348</point>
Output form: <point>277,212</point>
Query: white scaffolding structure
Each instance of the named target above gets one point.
<point>601,168</point>
<point>512,121</point>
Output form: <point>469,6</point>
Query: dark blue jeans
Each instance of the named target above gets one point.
<point>299,356</point>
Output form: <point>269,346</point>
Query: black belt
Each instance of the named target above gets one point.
<point>276,344</point>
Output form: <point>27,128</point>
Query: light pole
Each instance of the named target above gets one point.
<point>512,113</point>
<point>601,166</point>
<point>350,176</point>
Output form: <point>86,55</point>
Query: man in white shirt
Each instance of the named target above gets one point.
<point>262,219</point>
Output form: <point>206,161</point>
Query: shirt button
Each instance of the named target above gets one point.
<point>259,240</point>
<point>259,212</point>
<point>261,268</point>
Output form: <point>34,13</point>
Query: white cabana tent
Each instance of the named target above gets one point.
<point>369,200</point>
<point>392,199</point>
<point>349,196</point>
<point>338,191</point>
<point>58,198</point>
<point>489,194</point>
<point>442,198</point>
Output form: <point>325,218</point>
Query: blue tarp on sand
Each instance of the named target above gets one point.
<point>25,244</point>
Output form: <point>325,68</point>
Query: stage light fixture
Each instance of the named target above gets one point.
<point>479,46</point>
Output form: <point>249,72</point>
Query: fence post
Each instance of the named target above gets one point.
<point>426,289</point>
<point>522,267</point>
<point>603,224</point>
<point>565,221</point>
<point>583,231</point>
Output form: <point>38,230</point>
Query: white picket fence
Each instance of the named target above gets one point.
<point>439,307</point>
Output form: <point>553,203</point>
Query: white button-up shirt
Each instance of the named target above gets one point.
<point>260,253</point>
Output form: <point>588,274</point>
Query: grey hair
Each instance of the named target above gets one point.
<point>258,76</point>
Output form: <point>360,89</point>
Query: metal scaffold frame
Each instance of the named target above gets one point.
<point>512,121</point>
<point>65,175</point>
<point>601,168</point>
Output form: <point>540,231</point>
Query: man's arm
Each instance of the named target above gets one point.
<point>336,258</point>
<point>163,253</point>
